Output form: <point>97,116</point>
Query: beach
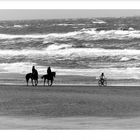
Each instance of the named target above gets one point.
<point>78,50</point>
<point>69,107</point>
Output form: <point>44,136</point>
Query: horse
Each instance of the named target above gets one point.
<point>33,77</point>
<point>49,78</point>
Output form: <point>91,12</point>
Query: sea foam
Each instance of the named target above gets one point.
<point>83,34</point>
<point>66,50</point>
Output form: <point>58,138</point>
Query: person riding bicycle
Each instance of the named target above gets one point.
<point>102,78</point>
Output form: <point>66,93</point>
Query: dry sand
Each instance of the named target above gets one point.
<point>69,107</point>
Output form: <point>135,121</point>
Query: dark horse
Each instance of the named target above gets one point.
<point>33,77</point>
<point>49,78</point>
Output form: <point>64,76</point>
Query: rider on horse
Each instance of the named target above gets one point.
<point>35,75</point>
<point>33,70</point>
<point>49,72</point>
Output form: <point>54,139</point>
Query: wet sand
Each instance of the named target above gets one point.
<point>69,107</point>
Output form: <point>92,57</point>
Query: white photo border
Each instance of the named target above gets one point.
<point>70,134</point>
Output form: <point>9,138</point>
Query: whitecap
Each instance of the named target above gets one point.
<point>17,26</point>
<point>66,50</point>
<point>99,22</point>
<point>125,59</point>
<point>83,34</point>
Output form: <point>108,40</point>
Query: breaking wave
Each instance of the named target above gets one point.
<point>72,47</point>
<point>68,51</point>
<point>20,26</point>
<point>83,34</point>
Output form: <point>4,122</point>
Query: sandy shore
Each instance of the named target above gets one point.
<point>69,107</point>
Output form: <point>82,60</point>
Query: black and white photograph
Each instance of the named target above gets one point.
<point>69,69</point>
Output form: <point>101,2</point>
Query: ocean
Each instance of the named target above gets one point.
<point>84,47</point>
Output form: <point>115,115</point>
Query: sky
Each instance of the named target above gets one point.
<point>59,14</point>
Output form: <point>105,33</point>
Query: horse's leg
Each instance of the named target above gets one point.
<point>48,82</point>
<point>32,82</point>
<point>51,82</point>
<point>36,82</point>
<point>27,79</point>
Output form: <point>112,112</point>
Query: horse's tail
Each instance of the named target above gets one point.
<point>26,77</point>
<point>42,77</point>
